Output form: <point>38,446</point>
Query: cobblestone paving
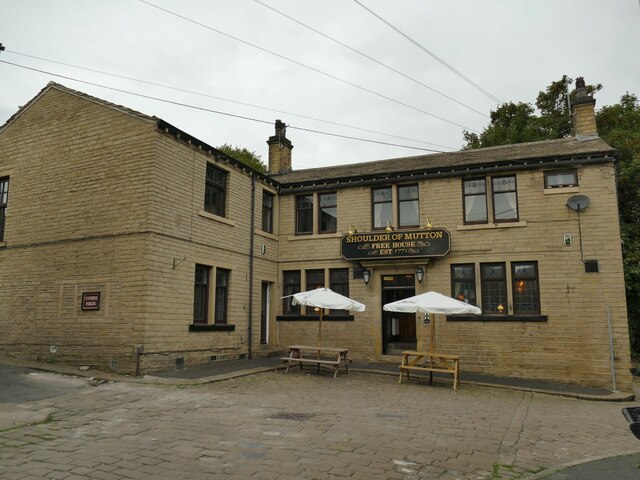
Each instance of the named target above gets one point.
<point>298,426</point>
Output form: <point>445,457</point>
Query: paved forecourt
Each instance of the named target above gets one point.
<point>276,426</point>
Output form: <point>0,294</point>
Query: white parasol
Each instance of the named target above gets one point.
<point>325,298</point>
<point>431,303</point>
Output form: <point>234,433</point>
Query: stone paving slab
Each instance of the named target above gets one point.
<point>309,427</point>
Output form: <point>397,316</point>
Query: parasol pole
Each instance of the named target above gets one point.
<point>432,333</point>
<point>320,335</point>
<point>320,329</point>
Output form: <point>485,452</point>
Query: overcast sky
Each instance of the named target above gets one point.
<point>509,49</point>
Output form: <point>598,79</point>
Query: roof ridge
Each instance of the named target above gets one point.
<point>102,101</point>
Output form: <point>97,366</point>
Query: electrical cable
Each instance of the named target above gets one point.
<point>433,55</point>
<point>317,70</point>
<point>372,59</point>
<point>196,107</point>
<point>226,99</point>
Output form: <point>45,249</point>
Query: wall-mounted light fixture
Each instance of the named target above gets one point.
<point>366,274</point>
<point>389,228</point>
<point>429,225</point>
<point>419,274</point>
<point>352,230</point>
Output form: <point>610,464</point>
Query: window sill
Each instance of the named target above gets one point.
<point>217,218</point>
<point>314,318</point>
<point>315,236</point>
<point>485,226</point>
<point>552,191</point>
<point>3,244</point>
<point>264,234</point>
<point>211,327</point>
<point>497,318</point>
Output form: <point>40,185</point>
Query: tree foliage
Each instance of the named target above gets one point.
<point>619,126</point>
<point>245,156</point>
<point>518,122</point>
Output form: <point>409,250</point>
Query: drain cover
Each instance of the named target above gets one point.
<point>298,417</point>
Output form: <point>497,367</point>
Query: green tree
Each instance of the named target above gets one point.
<point>619,126</point>
<point>245,156</point>
<point>518,123</point>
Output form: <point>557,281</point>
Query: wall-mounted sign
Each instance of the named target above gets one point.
<point>90,300</point>
<point>435,242</point>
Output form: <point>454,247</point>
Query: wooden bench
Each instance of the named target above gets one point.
<point>413,361</point>
<point>309,355</point>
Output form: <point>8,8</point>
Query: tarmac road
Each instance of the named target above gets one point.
<point>19,386</point>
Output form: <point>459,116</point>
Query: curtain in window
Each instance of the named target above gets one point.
<point>382,207</point>
<point>505,202</point>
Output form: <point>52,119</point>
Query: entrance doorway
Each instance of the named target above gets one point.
<point>398,329</point>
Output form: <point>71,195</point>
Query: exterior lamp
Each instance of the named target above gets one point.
<point>500,308</point>
<point>365,275</point>
<point>429,225</point>
<point>389,228</point>
<point>419,274</point>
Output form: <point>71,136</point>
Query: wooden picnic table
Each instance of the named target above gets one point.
<point>414,361</point>
<point>314,355</point>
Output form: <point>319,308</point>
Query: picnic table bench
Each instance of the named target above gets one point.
<point>414,361</point>
<point>310,355</point>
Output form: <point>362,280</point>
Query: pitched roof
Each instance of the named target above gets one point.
<point>564,149</point>
<point>57,86</point>
<point>162,125</point>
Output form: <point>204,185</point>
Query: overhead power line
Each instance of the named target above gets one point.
<point>218,112</point>
<point>371,58</point>
<point>429,52</point>
<point>317,70</point>
<point>169,87</point>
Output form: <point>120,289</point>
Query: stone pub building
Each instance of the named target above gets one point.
<point>128,244</point>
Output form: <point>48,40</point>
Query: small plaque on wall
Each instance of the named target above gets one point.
<point>90,300</point>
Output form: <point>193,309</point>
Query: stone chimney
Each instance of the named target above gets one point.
<point>280,150</point>
<point>583,113</point>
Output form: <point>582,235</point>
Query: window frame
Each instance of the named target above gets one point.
<point>288,309</point>
<point>549,173</point>
<point>321,210</point>
<point>307,211</point>
<point>464,201</point>
<point>312,285</point>
<point>374,203</point>
<point>532,279</point>
<point>339,286</point>
<point>267,211</point>
<point>4,201</point>
<point>221,299</point>
<point>400,202</point>
<point>214,187</point>
<point>502,192</point>
<point>484,289</point>
<point>470,279</point>
<point>203,286</point>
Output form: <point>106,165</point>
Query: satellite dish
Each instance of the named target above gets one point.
<point>578,202</point>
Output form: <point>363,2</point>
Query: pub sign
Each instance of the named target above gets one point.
<point>434,242</point>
